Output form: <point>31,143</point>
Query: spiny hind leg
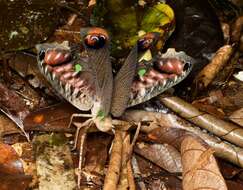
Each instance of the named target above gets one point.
<point>81,153</point>
<point>79,126</point>
<point>78,115</point>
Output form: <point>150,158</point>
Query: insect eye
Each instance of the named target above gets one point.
<point>95,41</point>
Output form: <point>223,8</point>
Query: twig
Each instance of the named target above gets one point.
<point>113,173</point>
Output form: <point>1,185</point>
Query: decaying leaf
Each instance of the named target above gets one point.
<point>209,72</point>
<point>237,117</point>
<point>221,128</point>
<point>137,172</point>
<point>163,155</point>
<point>237,29</point>
<point>95,159</point>
<point>12,174</point>
<point>9,160</point>
<point>25,152</point>
<point>7,126</point>
<point>171,129</point>
<point>53,118</point>
<point>13,106</point>
<point>200,169</point>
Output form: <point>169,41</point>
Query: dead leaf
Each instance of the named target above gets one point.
<point>163,155</point>
<point>209,72</point>
<point>237,117</point>
<point>200,169</point>
<point>12,174</point>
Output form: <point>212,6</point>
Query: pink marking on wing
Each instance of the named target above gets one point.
<point>58,69</point>
<point>79,84</point>
<point>68,67</point>
<point>58,56</point>
<point>171,65</point>
<point>149,80</point>
<point>48,57</point>
<point>137,85</point>
<point>67,75</point>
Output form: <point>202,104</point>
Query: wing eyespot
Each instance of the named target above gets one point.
<point>95,41</point>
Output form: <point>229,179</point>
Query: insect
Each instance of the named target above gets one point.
<point>85,79</point>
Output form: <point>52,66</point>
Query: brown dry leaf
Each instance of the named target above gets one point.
<point>12,103</point>
<point>203,105</point>
<point>11,170</point>
<point>13,106</point>
<point>7,126</point>
<point>26,65</point>
<point>137,172</point>
<point>14,182</point>
<point>171,129</point>
<point>200,169</point>
<point>54,118</point>
<point>233,185</point>
<point>237,29</point>
<point>163,155</point>
<point>209,72</point>
<point>225,130</point>
<point>54,163</point>
<point>237,117</point>
<point>25,152</point>
<point>150,176</point>
<point>9,160</point>
<point>96,158</point>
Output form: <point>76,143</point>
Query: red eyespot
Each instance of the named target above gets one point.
<point>96,38</point>
<point>95,41</point>
<point>56,57</point>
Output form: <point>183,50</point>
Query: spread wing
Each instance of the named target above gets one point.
<point>68,72</point>
<point>100,64</point>
<point>156,76</point>
<point>123,83</point>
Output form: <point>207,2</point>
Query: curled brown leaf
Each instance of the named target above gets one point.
<point>163,155</point>
<point>209,72</point>
<point>221,128</point>
<point>237,29</point>
<point>171,129</point>
<point>200,169</point>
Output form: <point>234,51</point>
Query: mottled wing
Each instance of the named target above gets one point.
<point>156,76</point>
<point>99,60</point>
<point>123,83</point>
<point>68,72</point>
